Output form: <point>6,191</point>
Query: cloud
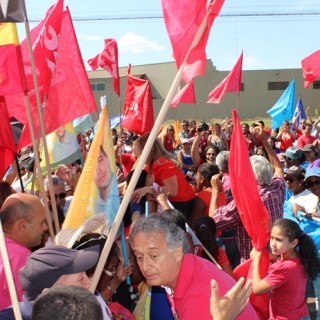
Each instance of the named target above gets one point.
<point>137,44</point>
<point>88,37</point>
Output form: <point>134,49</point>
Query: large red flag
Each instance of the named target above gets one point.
<point>7,146</point>
<point>185,95</point>
<point>253,213</point>
<point>108,60</point>
<point>138,105</point>
<point>70,95</point>
<point>182,19</point>
<point>231,83</point>
<point>46,46</point>
<point>311,68</point>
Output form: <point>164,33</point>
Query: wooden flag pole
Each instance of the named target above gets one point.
<point>9,277</point>
<point>142,159</point>
<point>44,141</point>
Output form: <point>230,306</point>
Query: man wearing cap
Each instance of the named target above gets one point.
<point>293,157</point>
<point>23,219</point>
<point>312,155</point>
<point>306,137</point>
<point>51,266</point>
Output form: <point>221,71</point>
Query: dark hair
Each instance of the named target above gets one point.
<point>5,191</point>
<point>207,170</point>
<point>306,248</point>
<point>205,230</point>
<point>215,148</point>
<point>66,302</point>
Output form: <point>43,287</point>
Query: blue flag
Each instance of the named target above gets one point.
<point>284,107</point>
<point>299,111</point>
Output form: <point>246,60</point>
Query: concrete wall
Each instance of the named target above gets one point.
<point>254,101</point>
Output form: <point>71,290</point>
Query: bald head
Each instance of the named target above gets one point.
<point>23,218</point>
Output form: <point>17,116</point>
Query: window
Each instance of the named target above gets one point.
<point>98,86</point>
<point>316,84</point>
<point>278,85</point>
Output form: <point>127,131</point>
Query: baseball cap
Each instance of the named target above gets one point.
<point>46,265</point>
<point>312,172</point>
<point>309,148</point>
<point>293,153</point>
<point>295,171</point>
<point>185,140</point>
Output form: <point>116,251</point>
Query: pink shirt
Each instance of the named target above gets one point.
<point>192,292</point>
<point>18,254</point>
<point>288,298</point>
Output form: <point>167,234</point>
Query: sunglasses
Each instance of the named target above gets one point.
<point>311,184</point>
<point>61,195</point>
<point>287,158</point>
<point>170,130</point>
<point>289,179</point>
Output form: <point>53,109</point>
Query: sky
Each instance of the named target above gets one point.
<point>272,37</point>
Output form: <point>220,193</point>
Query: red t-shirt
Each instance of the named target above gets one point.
<point>168,143</point>
<point>128,160</point>
<point>303,140</point>
<point>205,196</point>
<point>288,298</point>
<point>163,169</point>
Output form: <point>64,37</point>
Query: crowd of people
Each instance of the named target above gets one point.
<point>184,233</point>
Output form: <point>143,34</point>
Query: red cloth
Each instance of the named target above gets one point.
<point>163,169</point>
<point>311,68</point>
<point>232,83</point>
<point>185,95</point>
<point>182,19</point>
<point>46,47</point>
<point>128,160</point>
<point>70,95</point>
<point>10,70</point>
<point>168,143</point>
<point>108,60</point>
<point>287,300</point>
<point>205,196</point>
<point>285,142</point>
<point>192,291</point>
<point>138,105</point>
<point>7,145</point>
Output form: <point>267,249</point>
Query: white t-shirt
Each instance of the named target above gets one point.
<point>305,199</point>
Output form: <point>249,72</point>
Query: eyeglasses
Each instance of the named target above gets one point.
<point>210,154</point>
<point>311,184</point>
<point>288,179</point>
<point>61,195</point>
<point>287,158</point>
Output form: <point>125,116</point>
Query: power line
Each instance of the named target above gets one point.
<point>158,17</point>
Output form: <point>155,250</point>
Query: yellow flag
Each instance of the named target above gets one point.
<point>97,189</point>
<point>8,33</point>
<point>316,111</point>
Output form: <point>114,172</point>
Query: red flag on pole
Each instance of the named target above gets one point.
<point>108,60</point>
<point>253,213</point>
<point>7,146</point>
<point>46,46</point>
<point>232,83</point>
<point>311,68</point>
<point>182,19</point>
<point>185,95</point>
<point>70,95</point>
<point>138,105</point>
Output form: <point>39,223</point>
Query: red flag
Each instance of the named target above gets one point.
<point>232,83</point>
<point>138,105</point>
<point>108,60</point>
<point>185,95</point>
<point>70,95</point>
<point>182,19</point>
<point>311,68</point>
<point>253,213</point>
<point>10,70</point>
<point>7,146</point>
<point>46,46</point>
